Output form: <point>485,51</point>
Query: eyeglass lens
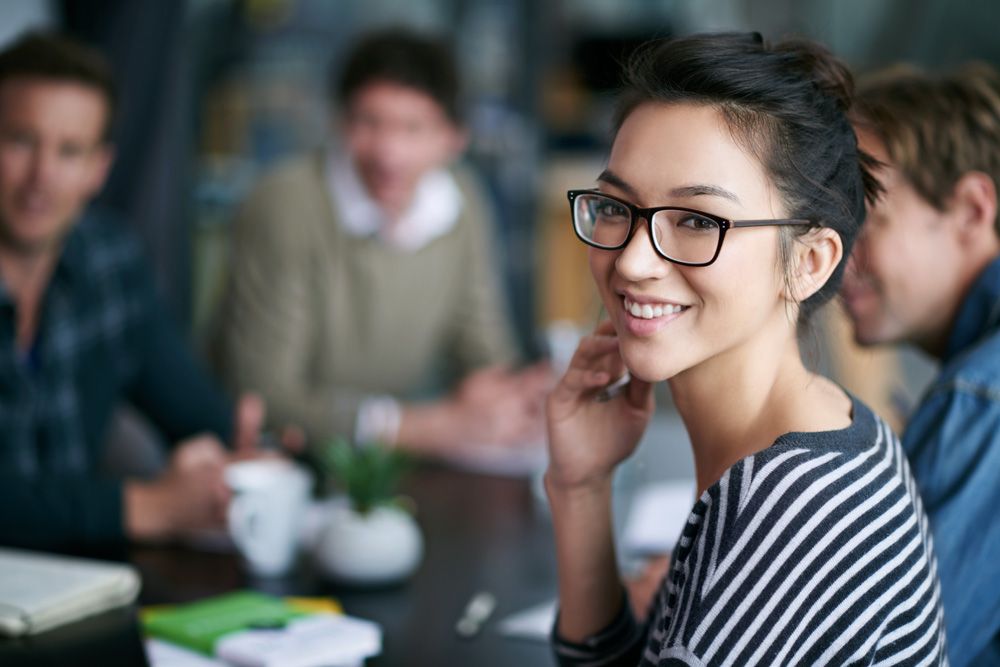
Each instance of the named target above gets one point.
<point>680,235</point>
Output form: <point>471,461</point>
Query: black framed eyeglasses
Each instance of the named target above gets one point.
<point>681,235</point>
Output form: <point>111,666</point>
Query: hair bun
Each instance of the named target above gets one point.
<point>818,64</point>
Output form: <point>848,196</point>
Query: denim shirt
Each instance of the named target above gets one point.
<point>953,442</point>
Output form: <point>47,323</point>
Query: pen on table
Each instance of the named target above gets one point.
<point>476,613</point>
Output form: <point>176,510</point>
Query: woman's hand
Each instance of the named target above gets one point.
<point>587,438</point>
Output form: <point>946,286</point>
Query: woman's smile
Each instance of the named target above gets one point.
<point>644,316</point>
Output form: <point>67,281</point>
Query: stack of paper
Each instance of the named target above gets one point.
<point>326,640</point>
<point>256,630</point>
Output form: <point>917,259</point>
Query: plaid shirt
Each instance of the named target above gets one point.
<point>103,337</point>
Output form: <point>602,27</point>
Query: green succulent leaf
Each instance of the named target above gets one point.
<point>369,474</point>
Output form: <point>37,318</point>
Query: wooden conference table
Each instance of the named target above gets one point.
<point>482,533</point>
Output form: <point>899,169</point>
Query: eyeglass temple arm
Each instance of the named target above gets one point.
<point>768,223</point>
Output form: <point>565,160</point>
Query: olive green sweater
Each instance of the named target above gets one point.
<point>316,319</point>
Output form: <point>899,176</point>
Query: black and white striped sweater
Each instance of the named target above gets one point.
<point>815,551</point>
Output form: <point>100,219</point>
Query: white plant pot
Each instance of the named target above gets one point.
<point>381,547</point>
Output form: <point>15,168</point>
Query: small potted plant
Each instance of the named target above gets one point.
<point>370,538</point>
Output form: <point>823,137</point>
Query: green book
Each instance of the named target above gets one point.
<point>199,625</point>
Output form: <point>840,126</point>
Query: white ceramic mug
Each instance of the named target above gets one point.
<point>269,500</point>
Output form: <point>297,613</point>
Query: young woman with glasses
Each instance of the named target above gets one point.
<point>732,195</point>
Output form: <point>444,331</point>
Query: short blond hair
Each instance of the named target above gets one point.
<point>935,128</point>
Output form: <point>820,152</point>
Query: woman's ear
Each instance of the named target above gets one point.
<point>815,256</point>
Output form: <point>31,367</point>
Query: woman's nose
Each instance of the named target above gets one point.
<point>638,260</point>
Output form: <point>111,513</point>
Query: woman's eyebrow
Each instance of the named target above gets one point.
<point>684,191</point>
<point>611,178</point>
<point>702,189</point>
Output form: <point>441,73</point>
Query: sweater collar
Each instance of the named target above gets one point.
<point>434,211</point>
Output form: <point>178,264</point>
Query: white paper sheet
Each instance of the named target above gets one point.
<point>164,654</point>
<point>533,623</point>
<point>657,517</point>
<point>322,640</point>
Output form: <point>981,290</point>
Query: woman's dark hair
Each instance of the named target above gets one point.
<point>787,104</point>
<point>400,56</point>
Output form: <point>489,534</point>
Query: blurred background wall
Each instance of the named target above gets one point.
<point>215,91</point>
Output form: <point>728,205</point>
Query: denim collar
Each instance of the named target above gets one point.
<point>979,313</point>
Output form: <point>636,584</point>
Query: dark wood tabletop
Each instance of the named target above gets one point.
<point>481,533</point>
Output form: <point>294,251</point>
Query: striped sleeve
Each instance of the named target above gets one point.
<point>620,643</point>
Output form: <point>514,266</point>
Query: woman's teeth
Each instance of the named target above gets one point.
<point>648,311</point>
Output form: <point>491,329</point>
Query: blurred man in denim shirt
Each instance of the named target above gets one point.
<point>926,271</point>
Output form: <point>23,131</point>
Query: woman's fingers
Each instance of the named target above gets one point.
<point>579,380</point>
<point>595,352</point>
<point>596,378</point>
<point>596,364</point>
<point>605,328</point>
<point>592,347</point>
